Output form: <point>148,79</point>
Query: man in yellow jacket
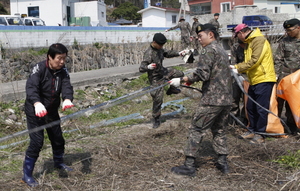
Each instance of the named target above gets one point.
<point>259,67</point>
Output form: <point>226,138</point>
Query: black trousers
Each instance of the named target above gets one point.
<point>258,117</point>
<point>37,138</point>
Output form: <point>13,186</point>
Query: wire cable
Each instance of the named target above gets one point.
<point>241,87</point>
<point>87,111</point>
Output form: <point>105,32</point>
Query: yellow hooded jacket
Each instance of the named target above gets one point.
<point>258,63</point>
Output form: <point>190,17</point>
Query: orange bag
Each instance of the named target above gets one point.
<point>274,125</point>
<point>289,90</point>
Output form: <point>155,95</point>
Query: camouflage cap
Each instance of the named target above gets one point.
<point>291,23</point>
<point>181,18</point>
<point>204,27</point>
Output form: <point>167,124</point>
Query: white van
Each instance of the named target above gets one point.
<point>10,20</point>
<point>33,21</point>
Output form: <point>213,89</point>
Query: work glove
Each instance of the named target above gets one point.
<point>40,110</point>
<point>67,104</point>
<point>151,66</point>
<point>187,83</point>
<point>175,82</point>
<point>233,69</point>
<point>183,52</point>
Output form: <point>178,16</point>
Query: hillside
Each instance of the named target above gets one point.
<point>6,4</point>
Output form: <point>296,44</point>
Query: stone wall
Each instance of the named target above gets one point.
<point>17,63</point>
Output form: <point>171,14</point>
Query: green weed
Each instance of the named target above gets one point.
<point>292,160</point>
<point>79,95</point>
<point>141,81</point>
<point>12,166</point>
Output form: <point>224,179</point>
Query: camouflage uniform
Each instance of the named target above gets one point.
<point>185,29</point>
<point>215,23</point>
<point>159,75</point>
<point>212,113</point>
<point>287,61</point>
<point>195,41</point>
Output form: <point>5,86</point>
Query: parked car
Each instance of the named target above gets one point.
<point>33,21</point>
<point>257,20</point>
<point>261,21</point>
<point>10,20</point>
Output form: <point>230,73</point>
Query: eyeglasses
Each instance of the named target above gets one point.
<point>290,30</point>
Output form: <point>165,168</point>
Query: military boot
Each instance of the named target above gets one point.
<point>59,163</point>
<point>173,90</point>
<point>156,123</point>
<point>28,167</point>
<point>188,168</point>
<point>222,164</point>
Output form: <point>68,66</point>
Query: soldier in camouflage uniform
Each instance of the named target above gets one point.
<point>212,112</point>
<point>287,61</point>
<point>194,35</point>
<point>157,74</point>
<point>215,21</point>
<point>185,29</point>
<point>237,56</point>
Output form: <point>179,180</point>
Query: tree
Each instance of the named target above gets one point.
<point>127,11</point>
<point>3,10</point>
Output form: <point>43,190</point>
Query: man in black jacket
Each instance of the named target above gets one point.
<point>49,79</point>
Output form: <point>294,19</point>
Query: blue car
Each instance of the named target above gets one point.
<point>257,20</point>
<point>261,21</point>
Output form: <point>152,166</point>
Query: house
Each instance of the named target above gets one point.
<point>96,10</point>
<point>60,12</point>
<point>200,7</point>
<point>153,16</point>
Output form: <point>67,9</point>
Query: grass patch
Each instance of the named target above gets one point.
<point>291,160</point>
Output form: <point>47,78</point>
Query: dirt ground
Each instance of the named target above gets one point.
<point>137,157</point>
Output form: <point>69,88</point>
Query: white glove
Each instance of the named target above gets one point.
<point>166,30</point>
<point>175,82</point>
<point>183,52</point>
<point>40,110</point>
<point>151,66</point>
<point>67,104</point>
<point>234,71</point>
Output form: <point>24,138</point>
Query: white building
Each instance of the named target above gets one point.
<point>279,6</point>
<point>96,10</point>
<point>55,12</point>
<point>154,16</point>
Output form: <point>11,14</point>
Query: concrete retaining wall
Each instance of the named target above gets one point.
<point>28,36</point>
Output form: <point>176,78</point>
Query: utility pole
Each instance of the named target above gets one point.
<point>183,6</point>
